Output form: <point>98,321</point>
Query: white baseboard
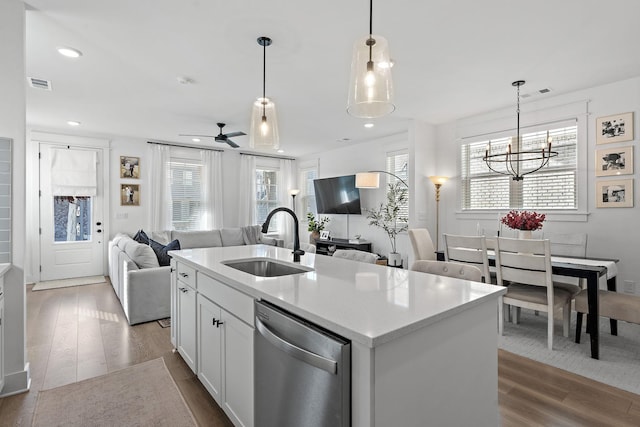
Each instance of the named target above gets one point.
<point>17,382</point>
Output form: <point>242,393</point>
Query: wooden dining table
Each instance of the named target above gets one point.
<point>592,273</point>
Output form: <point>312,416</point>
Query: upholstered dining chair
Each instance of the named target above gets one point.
<point>469,250</point>
<point>573,245</point>
<point>449,269</point>
<point>422,244</point>
<point>356,255</point>
<point>526,263</point>
<point>308,248</point>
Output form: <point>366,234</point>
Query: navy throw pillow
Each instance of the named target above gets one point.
<point>141,237</point>
<point>161,251</point>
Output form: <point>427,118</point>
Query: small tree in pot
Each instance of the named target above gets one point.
<point>390,218</point>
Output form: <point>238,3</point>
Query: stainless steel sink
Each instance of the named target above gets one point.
<point>266,267</point>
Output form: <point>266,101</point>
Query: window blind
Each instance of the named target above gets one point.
<point>398,164</point>
<point>186,194</point>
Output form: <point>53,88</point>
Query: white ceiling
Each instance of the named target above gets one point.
<point>453,59</point>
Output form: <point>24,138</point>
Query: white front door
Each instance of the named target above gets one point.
<point>72,240</point>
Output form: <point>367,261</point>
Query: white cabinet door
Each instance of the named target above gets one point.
<point>238,370</point>
<point>1,341</point>
<point>186,334</point>
<point>209,347</point>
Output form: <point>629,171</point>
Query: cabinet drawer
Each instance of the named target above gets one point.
<point>233,301</point>
<point>186,274</point>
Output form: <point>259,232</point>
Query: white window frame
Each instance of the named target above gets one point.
<point>395,157</point>
<point>271,165</point>
<point>306,200</point>
<point>479,127</point>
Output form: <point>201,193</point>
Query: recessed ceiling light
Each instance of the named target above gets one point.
<point>280,151</point>
<point>196,139</point>
<point>73,123</point>
<point>368,125</point>
<point>69,52</point>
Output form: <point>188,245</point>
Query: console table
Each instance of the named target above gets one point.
<point>327,247</point>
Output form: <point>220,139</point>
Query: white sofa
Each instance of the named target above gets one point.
<point>143,286</point>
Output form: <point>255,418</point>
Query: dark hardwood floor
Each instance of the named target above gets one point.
<point>81,332</point>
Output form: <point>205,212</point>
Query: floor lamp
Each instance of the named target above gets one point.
<point>438,181</point>
<point>294,192</point>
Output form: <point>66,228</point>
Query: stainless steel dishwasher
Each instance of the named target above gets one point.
<point>302,372</point>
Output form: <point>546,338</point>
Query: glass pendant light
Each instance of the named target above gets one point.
<point>264,121</point>
<point>371,85</point>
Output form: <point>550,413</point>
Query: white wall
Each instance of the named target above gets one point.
<point>612,232</point>
<point>12,125</point>
<point>349,160</point>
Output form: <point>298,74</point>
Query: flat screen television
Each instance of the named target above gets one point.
<point>337,195</point>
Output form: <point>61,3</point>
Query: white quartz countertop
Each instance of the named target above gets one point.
<point>367,303</point>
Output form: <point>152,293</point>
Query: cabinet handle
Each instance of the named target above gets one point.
<point>172,269</point>
<point>218,323</point>
<point>184,274</point>
<point>213,321</point>
<point>184,290</point>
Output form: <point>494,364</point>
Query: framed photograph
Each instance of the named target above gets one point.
<point>129,167</point>
<point>616,128</point>
<point>614,194</point>
<point>324,235</point>
<point>129,195</point>
<point>614,161</point>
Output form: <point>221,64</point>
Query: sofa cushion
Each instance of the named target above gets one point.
<point>163,236</point>
<point>198,238</point>
<point>141,254</point>
<point>124,241</point>
<point>161,250</point>
<point>141,237</point>
<point>232,237</point>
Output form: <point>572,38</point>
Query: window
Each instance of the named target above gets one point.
<point>308,194</point>
<point>266,195</point>
<point>398,164</point>
<point>552,187</point>
<point>186,194</point>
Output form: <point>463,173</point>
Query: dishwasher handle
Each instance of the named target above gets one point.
<point>295,351</point>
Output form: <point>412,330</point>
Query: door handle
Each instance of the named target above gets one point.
<point>306,356</point>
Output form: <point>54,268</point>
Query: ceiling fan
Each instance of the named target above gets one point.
<point>221,137</point>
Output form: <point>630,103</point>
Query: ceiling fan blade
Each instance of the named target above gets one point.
<point>232,134</point>
<point>204,136</point>
<point>231,143</point>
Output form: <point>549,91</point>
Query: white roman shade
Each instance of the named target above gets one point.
<point>73,172</point>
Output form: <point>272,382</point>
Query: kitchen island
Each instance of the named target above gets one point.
<point>423,347</point>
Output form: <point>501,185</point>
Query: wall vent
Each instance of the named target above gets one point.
<point>39,83</point>
<point>545,90</point>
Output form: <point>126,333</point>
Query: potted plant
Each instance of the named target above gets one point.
<point>523,221</point>
<point>390,218</point>
<point>315,226</point>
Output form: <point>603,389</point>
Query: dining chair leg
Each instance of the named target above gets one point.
<point>578,327</point>
<point>516,317</point>
<point>550,329</point>
<point>501,308</point>
<point>566,313</point>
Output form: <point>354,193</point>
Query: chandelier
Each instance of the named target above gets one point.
<point>516,161</point>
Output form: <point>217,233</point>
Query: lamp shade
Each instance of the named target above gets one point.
<point>264,125</point>
<point>294,191</point>
<point>371,85</point>
<point>367,180</point>
<point>439,179</point>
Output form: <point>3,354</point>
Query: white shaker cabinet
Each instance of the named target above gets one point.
<point>209,350</point>
<point>186,324</point>
<point>1,333</point>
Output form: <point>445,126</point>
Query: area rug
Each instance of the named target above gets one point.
<point>165,323</point>
<point>619,363</point>
<point>141,395</point>
<point>65,283</point>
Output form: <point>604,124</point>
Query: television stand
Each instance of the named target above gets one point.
<point>327,247</point>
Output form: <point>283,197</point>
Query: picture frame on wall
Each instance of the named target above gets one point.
<point>614,161</point>
<point>614,194</point>
<point>129,195</point>
<point>615,128</point>
<point>129,167</point>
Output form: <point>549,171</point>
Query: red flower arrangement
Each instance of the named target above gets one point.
<point>523,220</point>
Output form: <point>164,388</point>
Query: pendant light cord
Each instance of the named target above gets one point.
<point>370,42</point>
<point>264,80</point>
<point>370,18</point>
